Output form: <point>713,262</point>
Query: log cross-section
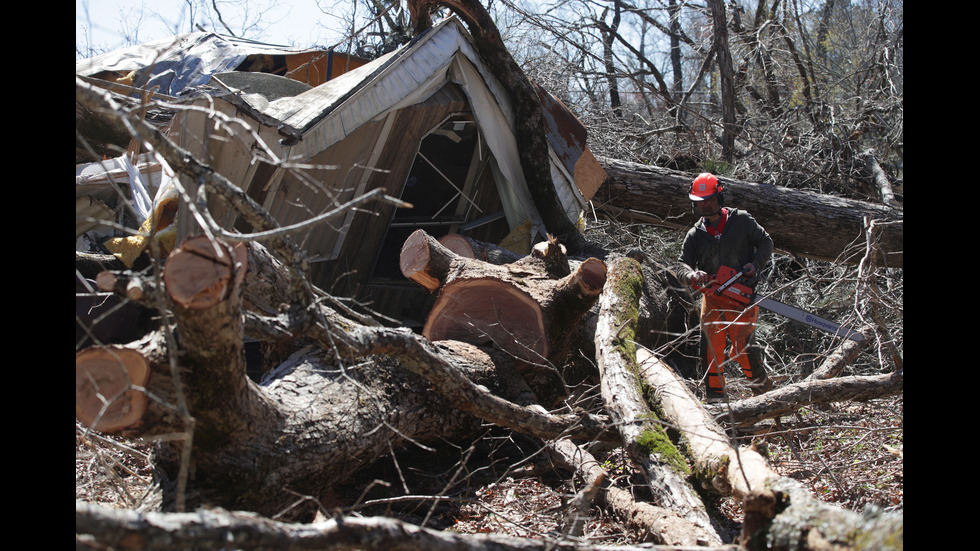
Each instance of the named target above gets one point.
<point>522,307</point>
<point>108,387</point>
<point>489,311</point>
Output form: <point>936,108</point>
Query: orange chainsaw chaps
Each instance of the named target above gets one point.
<point>721,323</point>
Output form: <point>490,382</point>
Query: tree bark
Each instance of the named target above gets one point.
<point>106,387</point>
<point>802,223</point>
<point>719,467</point>
<point>522,307</point>
<point>790,398</point>
<point>100,527</point>
<point>643,435</point>
<point>719,24</point>
<point>327,411</point>
<point>658,524</point>
<point>779,513</point>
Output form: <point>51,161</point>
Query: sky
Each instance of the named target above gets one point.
<point>103,25</point>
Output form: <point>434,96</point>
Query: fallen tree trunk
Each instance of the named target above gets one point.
<point>326,412</point>
<point>655,523</point>
<point>779,513</point>
<point>718,466</point>
<point>100,527</point>
<point>529,308</point>
<point>802,223</point>
<point>644,438</point>
<point>790,398</point>
<point>659,524</point>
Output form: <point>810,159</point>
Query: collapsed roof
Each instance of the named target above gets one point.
<point>369,125</point>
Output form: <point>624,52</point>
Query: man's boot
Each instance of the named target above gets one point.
<point>712,396</point>
<point>760,383</point>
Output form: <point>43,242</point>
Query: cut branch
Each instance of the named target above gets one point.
<point>108,387</point>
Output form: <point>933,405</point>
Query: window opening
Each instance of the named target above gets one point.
<point>440,187</point>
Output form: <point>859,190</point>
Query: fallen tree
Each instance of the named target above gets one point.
<point>779,513</point>
<point>218,528</point>
<point>241,430</point>
<point>356,393</point>
<point>644,439</point>
<point>806,224</point>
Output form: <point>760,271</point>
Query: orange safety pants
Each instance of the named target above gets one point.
<point>721,319</point>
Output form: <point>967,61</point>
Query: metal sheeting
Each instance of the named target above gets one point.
<point>179,62</point>
<point>331,111</point>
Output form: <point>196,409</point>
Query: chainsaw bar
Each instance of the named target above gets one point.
<point>803,316</point>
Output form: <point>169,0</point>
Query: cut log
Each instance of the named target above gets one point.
<point>327,412</point>
<point>200,273</point>
<point>527,317</point>
<point>109,387</point>
<point>426,261</point>
<point>519,307</point>
<point>489,311</point>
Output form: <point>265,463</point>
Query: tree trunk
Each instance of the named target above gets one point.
<point>644,437</point>
<point>779,513</point>
<point>324,413</point>
<point>533,308</point>
<point>99,527</point>
<point>658,524</point>
<point>802,223</point>
<point>719,24</point>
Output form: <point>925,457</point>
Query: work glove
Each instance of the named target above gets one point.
<point>698,277</point>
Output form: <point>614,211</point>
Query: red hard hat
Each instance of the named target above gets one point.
<point>704,186</point>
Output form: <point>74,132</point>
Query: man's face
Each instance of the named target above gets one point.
<point>709,208</point>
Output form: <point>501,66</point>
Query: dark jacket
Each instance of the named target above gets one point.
<point>742,241</point>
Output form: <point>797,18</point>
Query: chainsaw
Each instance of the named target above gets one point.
<point>728,284</point>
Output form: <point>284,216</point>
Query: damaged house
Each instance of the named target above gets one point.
<point>428,122</point>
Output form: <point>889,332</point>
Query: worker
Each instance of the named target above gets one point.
<point>730,237</point>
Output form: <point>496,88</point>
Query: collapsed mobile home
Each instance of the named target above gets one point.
<point>428,122</point>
